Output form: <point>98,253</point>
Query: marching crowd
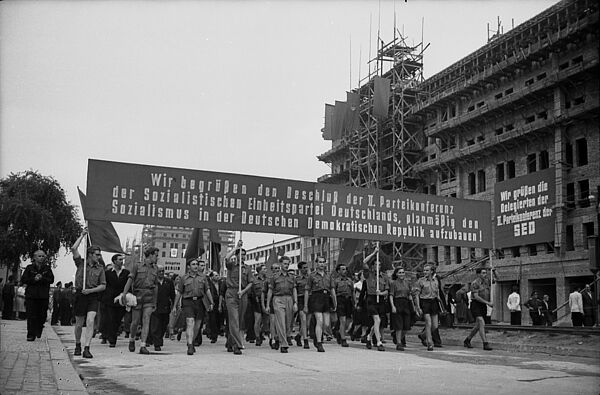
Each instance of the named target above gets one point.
<point>251,306</point>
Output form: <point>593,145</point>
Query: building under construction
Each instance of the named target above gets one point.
<point>525,102</point>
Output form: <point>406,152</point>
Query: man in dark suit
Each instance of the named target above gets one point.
<point>116,277</point>
<point>159,320</point>
<point>545,311</point>
<point>588,306</point>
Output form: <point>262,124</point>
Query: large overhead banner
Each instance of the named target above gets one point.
<point>524,209</point>
<point>374,214</point>
<point>124,192</point>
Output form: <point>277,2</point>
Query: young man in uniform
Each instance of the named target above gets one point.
<point>480,289</point>
<point>38,277</point>
<point>344,292</point>
<point>428,302</point>
<point>193,287</point>
<point>142,280</point>
<point>282,288</point>
<point>301,280</point>
<point>319,287</point>
<point>86,295</point>
<point>255,303</point>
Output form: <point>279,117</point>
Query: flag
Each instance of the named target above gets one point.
<point>347,251</point>
<point>195,247</point>
<point>272,257</point>
<point>381,97</point>
<point>101,233</point>
<point>215,250</point>
<point>337,122</point>
<point>352,111</point>
<point>327,129</point>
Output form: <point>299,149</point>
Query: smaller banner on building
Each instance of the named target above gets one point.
<point>524,209</point>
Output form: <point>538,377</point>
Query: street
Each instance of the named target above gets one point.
<point>352,370</point>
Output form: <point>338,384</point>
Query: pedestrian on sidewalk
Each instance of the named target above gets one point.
<point>576,306</point>
<point>142,280</point>
<point>514,306</point>
<point>480,292</point>
<point>8,298</point>
<point>86,295</point>
<point>116,278</point>
<point>38,277</point>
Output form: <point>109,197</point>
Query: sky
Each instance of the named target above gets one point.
<point>227,86</point>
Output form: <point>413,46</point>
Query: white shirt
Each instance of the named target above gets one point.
<point>575,302</point>
<point>514,302</point>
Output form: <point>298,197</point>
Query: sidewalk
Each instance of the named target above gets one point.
<point>35,367</point>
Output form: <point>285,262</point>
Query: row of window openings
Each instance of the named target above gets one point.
<point>508,91</point>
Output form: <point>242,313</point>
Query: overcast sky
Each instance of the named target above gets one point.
<point>229,86</point>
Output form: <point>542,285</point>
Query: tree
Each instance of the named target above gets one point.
<point>34,214</point>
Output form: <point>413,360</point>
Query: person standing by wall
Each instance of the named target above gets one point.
<point>514,306</point>
<point>576,306</point>
<point>534,306</point>
<point>38,277</point>
<point>545,311</point>
<point>588,306</point>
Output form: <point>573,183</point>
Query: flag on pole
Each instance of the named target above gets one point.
<point>101,233</point>
<point>195,247</point>
<point>215,250</point>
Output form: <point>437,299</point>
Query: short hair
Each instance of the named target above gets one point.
<point>339,266</point>
<point>92,249</point>
<point>150,251</point>
<point>284,258</point>
<point>301,264</point>
<point>115,257</point>
<point>259,267</point>
<point>236,252</point>
<point>395,273</point>
<point>58,284</point>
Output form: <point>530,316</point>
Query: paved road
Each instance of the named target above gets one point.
<point>353,370</point>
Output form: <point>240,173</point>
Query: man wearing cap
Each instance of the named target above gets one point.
<point>142,280</point>
<point>192,288</point>
<point>282,288</point>
<point>236,299</point>
<point>86,298</point>
<point>319,287</point>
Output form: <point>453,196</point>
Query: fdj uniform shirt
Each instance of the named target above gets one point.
<point>258,285</point>
<point>427,289</point>
<point>372,284</point>
<point>319,283</point>
<point>301,281</point>
<point>233,276</point>
<point>400,288</point>
<point>343,286</point>
<point>282,284</point>
<point>145,278</point>
<point>94,275</point>
<point>192,286</point>
<point>482,288</point>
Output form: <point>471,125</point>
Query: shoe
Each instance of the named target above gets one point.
<point>368,344</point>
<point>289,341</point>
<point>30,338</point>
<point>87,353</point>
<point>126,335</point>
<point>363,339</point>
<point>156,348</point>
<point>429,348</point>
<point>486,346</point>
<point>179,336</point>
<point>344,343</point>
<point>112,345</point>
<point>132,346</point>
<point>251,341</point>
<point>103,341</point>
<point>237,351</point>
<point>190,350</point>
<point>467,343</point>
<point>320,347</point>
<point>284,350</point>
<point>77,351</point>
<point>438,346</point>
<point>381,347</point>
<point>423,340</point>
<point>338,338</point>
<point>394,340</point>
<point>399,347</point>
<point>144,350</point>
<point>276,345</point>
<point>229,349</point>
<point>172,337</point>
<point>329,338</point>
<point>306,346</point>
<point>298,339</point>
<point>213,340</point>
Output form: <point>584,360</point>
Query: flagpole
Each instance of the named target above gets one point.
<point>377,271</point>
<point>85,247</point>
<point>240,267</point>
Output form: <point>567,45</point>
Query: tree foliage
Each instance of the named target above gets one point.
<point>34,214</point>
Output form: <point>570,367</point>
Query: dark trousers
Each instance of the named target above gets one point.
<point>158,327</point>
<point>37,312</point>
<point>65,312</point>
<point>102,317</point>
<point>536,318</point>
<point>112,321</point>
<point>588,317</point>
<point>212,326</point>
<point>577,319</point>
<point>515,318</point>
<point>7,309</point>
<point>55,313</point>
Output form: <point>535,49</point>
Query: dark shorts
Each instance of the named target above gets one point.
<point>193,309</point>
<point>374,308</point>
<point>318,302</point>
<point>300,302</point>
<point>430,306</point>
<point>85,303</point>
<point>255,305</point>
<point>478,309</point>
<point>344,306</point>
<point>401,320</point>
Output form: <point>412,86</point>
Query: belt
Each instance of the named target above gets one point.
<point>401,297</point>
<point>193,298</point>
<point>321,291</point>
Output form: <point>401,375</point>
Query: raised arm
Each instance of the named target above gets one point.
<point>75,246</point>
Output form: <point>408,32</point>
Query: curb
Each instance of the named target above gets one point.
<point>67,379</point>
